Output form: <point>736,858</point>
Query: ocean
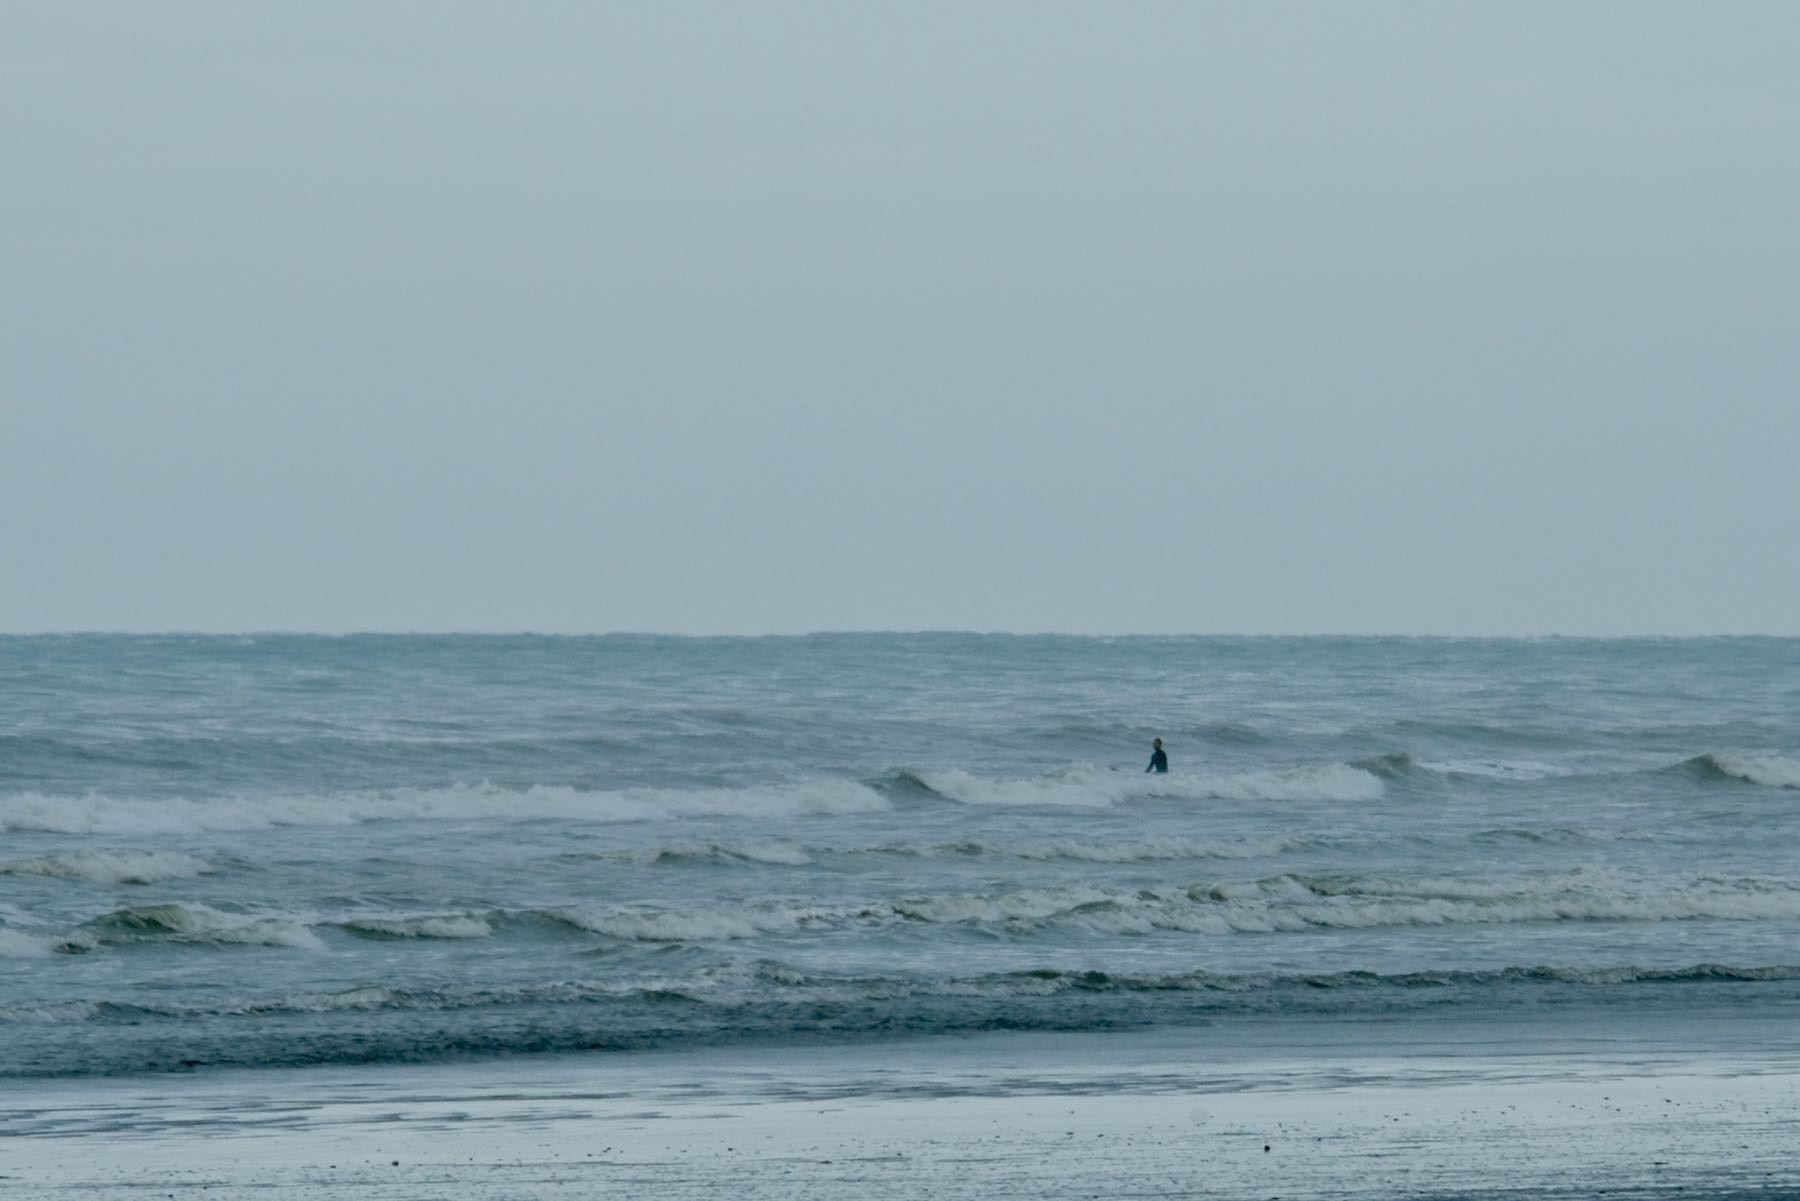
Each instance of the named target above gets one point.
<point>288,851</point>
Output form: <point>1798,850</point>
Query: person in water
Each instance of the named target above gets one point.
<point>1159,762</point>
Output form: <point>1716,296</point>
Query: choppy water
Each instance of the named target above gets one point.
<point>292,850</point>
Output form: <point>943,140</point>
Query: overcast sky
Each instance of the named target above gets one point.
<point>778,317</point>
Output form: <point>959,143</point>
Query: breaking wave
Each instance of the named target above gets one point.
<point>1773,771</point>
<point>1278,904</point>
<point>1163,849</point>
<point>125,816</point>
<point>771,1003</point>
<point>16,944</point>
<point>774,981</point>
<point>709,923</point>
<point>1085,785</point>
<point>452,926</point>
<point>111,867</point>
<point>1291,903</point>
<point>189,923</point>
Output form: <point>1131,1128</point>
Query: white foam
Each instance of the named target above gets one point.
<point>452,926</point>
<point>111,867</point>
<point>50,1012</point>
<point>15,944</point>
<point>1582,880</point>
<point>356,999</point>
<point>1291,903</point>
<point>94,814</point>
<point>1084,785</point>
<point>1145,850</point>
<point>202,923</point>
<point>1295,904</point>
<point>1274,904</point>
<point>1026,906</point>
<point>1328,782</point>
<point>787,854</point>
<point>1498,769</point>
<point>1081,785</point>
<point>705,924</point>
<point>1775,771</point>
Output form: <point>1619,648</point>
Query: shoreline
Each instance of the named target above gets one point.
<point>1155,1113</point>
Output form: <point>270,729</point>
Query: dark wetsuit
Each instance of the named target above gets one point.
<point>1159,762</point>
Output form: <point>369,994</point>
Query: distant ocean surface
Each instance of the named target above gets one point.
<point>278,851</point>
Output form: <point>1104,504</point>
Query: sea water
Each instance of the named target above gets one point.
<point>280,851</point>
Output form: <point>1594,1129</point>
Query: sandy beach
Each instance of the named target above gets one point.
<point>1156,1114</point>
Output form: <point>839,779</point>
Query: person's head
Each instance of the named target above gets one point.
<point>1157,743</point>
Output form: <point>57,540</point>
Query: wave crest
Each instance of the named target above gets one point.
<point>707,923</point>
<point>1287,903</point>
<point>190,923</point>
<point>111,867</point>
<point>1088,786</point>
<point>447,926</point>
<point>124,815</point>
<point>16,944</point>
<point>1773,771</point>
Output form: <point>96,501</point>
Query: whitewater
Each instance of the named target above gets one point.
<point>285,852</point>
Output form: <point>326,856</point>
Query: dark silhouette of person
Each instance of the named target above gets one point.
<point>1159,762</point>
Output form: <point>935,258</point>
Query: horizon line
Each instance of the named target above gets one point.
<point>922,631</point>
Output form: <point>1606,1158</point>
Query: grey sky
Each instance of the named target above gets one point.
<point>780,317</point>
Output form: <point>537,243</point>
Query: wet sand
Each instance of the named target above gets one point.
<point>1149,1115</point>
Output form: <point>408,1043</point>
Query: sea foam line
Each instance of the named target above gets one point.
<point>104,815</point>
<point>881,996</point>
<point>1774,771</point>
<point>1085,785</point>
<point>1287,903</point>
<point>111,867</point>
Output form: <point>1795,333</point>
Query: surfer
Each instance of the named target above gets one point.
<point>1159,762</point>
